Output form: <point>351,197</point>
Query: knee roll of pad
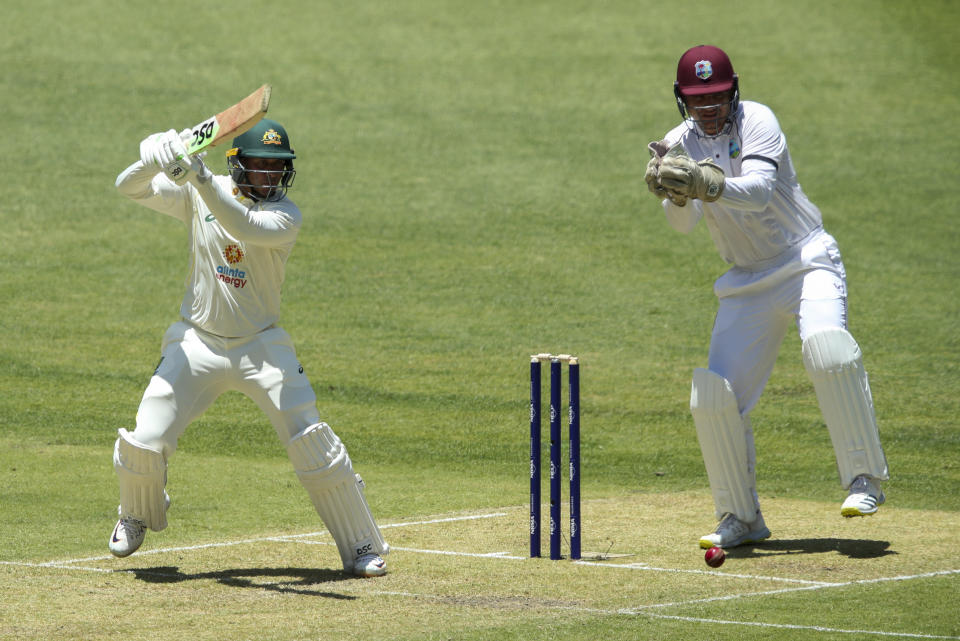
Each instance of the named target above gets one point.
<point>725,445</point>
<point>326,472</point>
<point>142,472</point>
<point>835,365</point>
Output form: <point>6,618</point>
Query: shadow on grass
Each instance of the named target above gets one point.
<point>852,548</point>
<point>291,580</point>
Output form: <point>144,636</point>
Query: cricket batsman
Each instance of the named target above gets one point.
<point>242,228</point>
<point>728,164</point>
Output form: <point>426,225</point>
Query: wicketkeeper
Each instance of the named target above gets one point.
<point>728,163</point>
<point>242,228</point>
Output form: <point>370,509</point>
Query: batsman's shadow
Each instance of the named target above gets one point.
<point>283,580</point>
<point>852,548</point>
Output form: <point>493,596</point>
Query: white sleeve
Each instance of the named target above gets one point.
<point>151,188</point>
<point>685,218</point>
<point>763,146</point>
<point>753,189</point>
<point>269,227</point>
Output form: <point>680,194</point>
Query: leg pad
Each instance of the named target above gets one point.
<point>326,472</point>
<point>726,445</point>
<point>835,365</point>
<point>142,472</point>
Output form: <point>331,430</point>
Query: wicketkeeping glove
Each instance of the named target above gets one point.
<point>658,150</point>
<point>679,173</point>
<point>653,179</point>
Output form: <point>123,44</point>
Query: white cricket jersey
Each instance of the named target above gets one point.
<point>763,213</point>
<point>238,248</point>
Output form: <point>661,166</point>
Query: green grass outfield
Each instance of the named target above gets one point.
<point>471,179</point>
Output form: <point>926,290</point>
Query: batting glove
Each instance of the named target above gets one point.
<point>176,163</point>
<point>150,151</point>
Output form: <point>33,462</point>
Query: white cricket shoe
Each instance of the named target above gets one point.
<point>369,565</point>
<point>127,536</point>
<point>732,532</point>
<point>864,498</point>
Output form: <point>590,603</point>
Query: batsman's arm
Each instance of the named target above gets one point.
<point>273,227</point>
<point>150,188</point>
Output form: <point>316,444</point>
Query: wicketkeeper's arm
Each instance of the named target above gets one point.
<point>752,190</point>
<point>683,218</point>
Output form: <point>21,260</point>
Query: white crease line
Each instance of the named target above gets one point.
<point>487,555</point>
<point>788,626</point>
<point>645,613</point>
<point>279,538</point>
<point>446,520</point>
<point>187,548</point>
<point>481,555</point>
<point>732,597</point>
<point>56,565</point>
<point>644,566</point>
<point>644,610</point>
<point>907,577</point>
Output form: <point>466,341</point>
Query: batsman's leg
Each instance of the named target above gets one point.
<point>184,384</point>
<point>835,365</point>
<point>277,384</point>
<point>326,472</point>
<point>142,473</point>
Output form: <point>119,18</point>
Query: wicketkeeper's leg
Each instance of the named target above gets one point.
<point>726,441</point>
<point>835,364</point>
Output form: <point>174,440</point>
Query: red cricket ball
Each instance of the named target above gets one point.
<point>714,557</point>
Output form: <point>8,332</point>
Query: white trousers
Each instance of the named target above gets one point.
<point>196,367</point>
<point>756,309</point>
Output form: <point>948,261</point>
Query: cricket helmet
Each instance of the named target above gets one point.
<point>706,69</point>
<point>266,139</point>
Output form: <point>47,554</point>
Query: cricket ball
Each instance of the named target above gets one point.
<point>714,557</point>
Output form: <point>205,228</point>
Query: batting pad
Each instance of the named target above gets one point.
<point>142,472</point>
<point>835,365</point>
<point>325,470</point>
<point>726,445</point>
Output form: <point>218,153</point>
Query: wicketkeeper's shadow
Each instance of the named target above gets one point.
<point>292,580</point>
<point>852,548</point>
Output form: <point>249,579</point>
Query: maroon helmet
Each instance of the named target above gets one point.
<point>705,69</point>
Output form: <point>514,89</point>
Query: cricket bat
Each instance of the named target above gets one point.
<point>230,122</point>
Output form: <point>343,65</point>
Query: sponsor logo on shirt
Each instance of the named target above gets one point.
<point>734,149</point>
<point>232,275</point>
<point>233,254</point>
